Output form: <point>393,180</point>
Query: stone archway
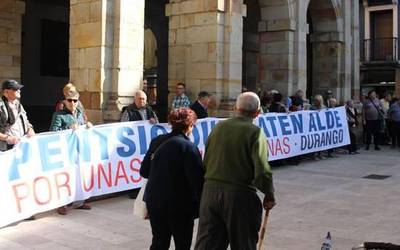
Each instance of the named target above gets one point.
<point>325,44</point>
<point>251,46</point>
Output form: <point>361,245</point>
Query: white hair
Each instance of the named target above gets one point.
<point>140,92</point>
<point>248,102</point>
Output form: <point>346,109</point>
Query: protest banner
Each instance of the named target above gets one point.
<point>54,169</point>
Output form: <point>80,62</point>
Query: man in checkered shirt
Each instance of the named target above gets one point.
<point>180,100</point>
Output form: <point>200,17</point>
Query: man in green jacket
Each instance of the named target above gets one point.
<point>236,164</point>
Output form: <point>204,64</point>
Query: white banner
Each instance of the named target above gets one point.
<point>54,169</point>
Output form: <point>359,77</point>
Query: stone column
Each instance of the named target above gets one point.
<point>327,62</point>
<point>277,55</point>
<point>106,54</point>
<point>355,56</point>
<point>277,35</point>
<point>205,49</point>
<point>11,12</point>
<point>397,87</point>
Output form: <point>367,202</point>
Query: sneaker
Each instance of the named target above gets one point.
<point>62,210</point>
<point>377,148</point>
<point>84,207</point>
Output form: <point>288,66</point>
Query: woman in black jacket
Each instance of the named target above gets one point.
<point>173,166</point>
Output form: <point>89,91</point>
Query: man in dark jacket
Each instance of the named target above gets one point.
<point>139,110</point>
<point>14,123</point>
<point>201,104</point>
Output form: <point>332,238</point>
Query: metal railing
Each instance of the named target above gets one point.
<point>380,50</point>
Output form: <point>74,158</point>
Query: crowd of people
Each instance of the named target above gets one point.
<point>220,187</point>
<point>379,118</point>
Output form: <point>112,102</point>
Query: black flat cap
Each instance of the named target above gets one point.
<point>203,94</point>
<point>11,84</point>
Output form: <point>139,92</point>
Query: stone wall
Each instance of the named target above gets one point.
<point>277,46</point>
<point>10,38</point>
<point>106,54</point>
<point>205,48</point>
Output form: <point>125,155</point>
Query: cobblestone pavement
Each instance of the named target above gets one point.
<point>313,198</point>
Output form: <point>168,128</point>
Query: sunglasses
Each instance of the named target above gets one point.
<point>72,100</point>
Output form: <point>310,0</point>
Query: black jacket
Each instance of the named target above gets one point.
<point>175,175</point>
<point>199,110</point>
<point>134,114</point>
<point>277,108</point>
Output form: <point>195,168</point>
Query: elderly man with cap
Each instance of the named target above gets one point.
<point>14,123</point>
<point>201,104</point>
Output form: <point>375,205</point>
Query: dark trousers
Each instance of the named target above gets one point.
<point>228,217</point>
<point>373,129</point>
<point>395,133</point>
<point>353,141</point>
<point>165,224</point>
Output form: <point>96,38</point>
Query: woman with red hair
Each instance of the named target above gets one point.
<point>173,167</point>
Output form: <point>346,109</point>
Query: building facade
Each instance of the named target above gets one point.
<point>380,66</point>
<point>218,46</point>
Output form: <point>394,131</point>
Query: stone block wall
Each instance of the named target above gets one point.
<point>277,47</point>
<point>205,47</point>
<point>86,59</point>
<point>11,12</point>
<point>106,54</point>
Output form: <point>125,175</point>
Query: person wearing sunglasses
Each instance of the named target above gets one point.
<point>71,117</point>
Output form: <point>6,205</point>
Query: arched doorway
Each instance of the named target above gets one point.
<point>324,48</point>
<point>251,46</point>
<point>44,58</point>
<point>157,74</point>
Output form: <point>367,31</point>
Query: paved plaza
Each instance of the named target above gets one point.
<point>313,198</point>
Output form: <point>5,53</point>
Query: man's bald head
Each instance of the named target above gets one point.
<point>140,99</point>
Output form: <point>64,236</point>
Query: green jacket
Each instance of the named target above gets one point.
<point>236,157</point>
<point>63,119</point>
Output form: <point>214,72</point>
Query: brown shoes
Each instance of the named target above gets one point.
<point>62,210</point>
<point>84,207</point>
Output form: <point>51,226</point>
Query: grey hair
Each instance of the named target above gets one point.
<point>140,92</point>
<point>248,102</point>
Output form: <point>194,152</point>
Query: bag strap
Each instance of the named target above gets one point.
<point>159,147</point>
<point>377,109</point>
<point>351,114</point>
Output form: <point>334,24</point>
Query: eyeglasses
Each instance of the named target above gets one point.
<point>72,100</point>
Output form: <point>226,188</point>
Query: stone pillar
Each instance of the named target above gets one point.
<point>277,55</point>
<point>355,56</point>
<point>205,49</point>
<point>397,87</point>
<point>277,35</point>
<point>106,54</point>
<point>327,62</point>
<point>11,12</point>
